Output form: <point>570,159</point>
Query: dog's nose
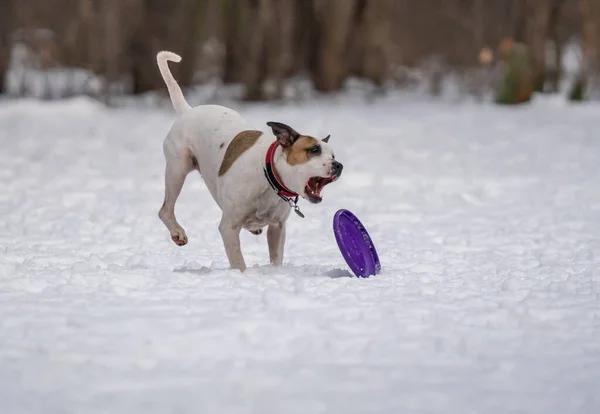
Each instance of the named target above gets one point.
<point>336,168</point>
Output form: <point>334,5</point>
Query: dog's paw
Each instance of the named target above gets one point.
<point>179,238</point>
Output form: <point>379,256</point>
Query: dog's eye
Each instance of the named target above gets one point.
<point>315,150</point>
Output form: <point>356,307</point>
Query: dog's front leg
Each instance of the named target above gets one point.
<point>276,241</point>
<point>230,233</point>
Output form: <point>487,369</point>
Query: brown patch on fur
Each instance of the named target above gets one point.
<point>222,145</point>
<point>242,142</point>
<point>297,153</point>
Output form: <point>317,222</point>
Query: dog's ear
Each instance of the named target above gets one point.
<point>285,134</point>
<point>326,139</point>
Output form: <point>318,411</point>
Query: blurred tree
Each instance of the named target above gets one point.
<point>6,27</point>
<point>536,33</point>
<point>78,37</point>
<point>554,73</point>
<point>280,48</point>
<point>588,78</point>
<point>370,41</point>
<point>153,31</point>
<point>334,24</point>
<point>254,65</point>
<point>113,23</point>
<point>263,43</point>
<point>304,37</point>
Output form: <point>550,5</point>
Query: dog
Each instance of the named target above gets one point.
<point>255,177</point>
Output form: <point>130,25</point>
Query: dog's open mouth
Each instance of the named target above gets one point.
<point>315,185</point>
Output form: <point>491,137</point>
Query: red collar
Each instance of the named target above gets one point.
<point>273,177</point>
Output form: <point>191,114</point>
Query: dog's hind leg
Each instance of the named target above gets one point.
<point>176,171</point>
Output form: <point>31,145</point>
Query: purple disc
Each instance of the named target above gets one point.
<point>355,244</point>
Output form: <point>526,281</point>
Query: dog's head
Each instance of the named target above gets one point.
<point>307,164</point>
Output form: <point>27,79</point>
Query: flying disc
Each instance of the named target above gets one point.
<point>355,244</point>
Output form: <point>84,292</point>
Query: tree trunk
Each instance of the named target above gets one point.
<point>535,38</point>
<point>279,46</point>
<point>555,75</point>
<point>6,20</point>
<point>304,36</point>
<point>590,12</point>
<point>192,14</point>
<point>77,37</point>
<point>112,42</point>
<point>255,65</point>
<point>376,30</point>
<point>335,18</point>
<point>233,15</point>
<point>154,33</point>
<point>4,60</point>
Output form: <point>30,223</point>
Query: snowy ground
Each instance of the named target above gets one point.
<point>486,219</point>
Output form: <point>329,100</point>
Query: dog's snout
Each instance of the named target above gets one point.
<point>336,168</point>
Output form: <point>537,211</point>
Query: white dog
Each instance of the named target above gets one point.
<point>255,177</point>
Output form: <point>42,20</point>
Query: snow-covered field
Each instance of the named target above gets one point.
<point>486,219</point>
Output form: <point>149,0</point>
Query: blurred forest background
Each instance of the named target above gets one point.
<point>58,48</point>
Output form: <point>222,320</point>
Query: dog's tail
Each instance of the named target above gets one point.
<point>177,98</point>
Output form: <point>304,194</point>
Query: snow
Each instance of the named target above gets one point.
<point>486,221</point>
